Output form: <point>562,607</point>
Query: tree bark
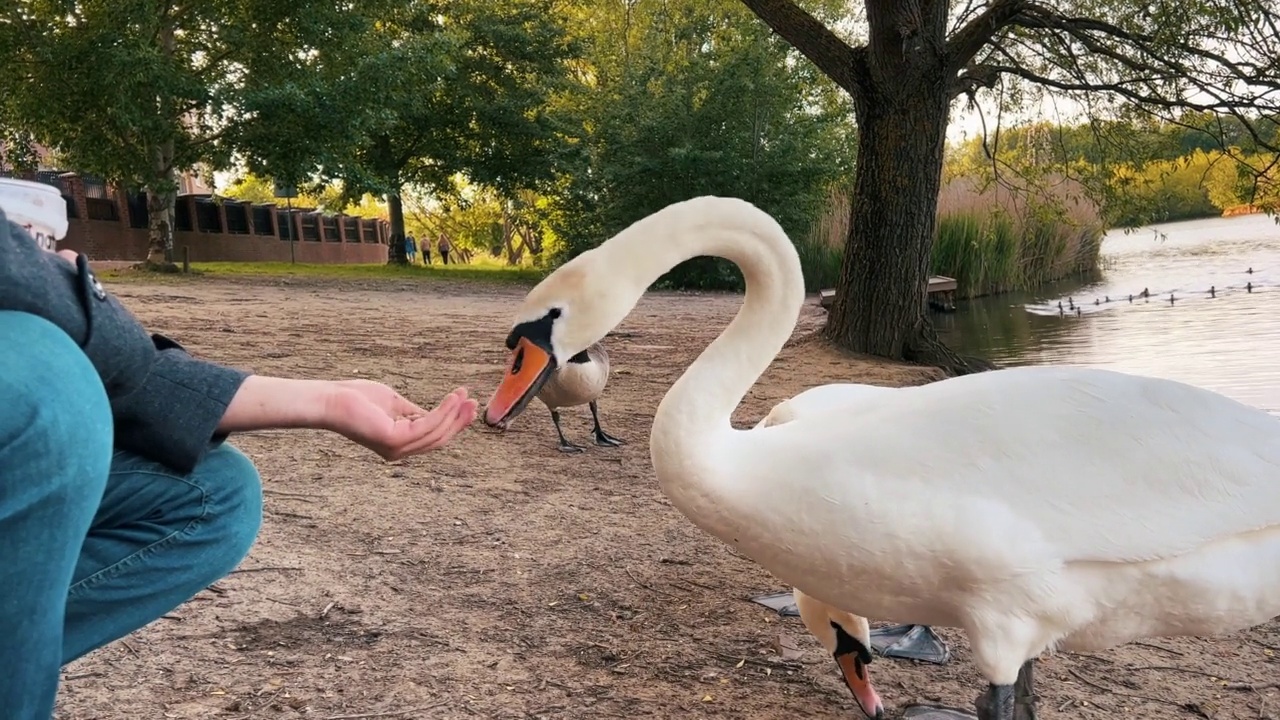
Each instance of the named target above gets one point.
<point>395,209</point>
<point>162,199</point>
<point>162,190</point>
<point>881,294</point>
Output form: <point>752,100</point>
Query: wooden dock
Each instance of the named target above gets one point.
<point>938,285</point>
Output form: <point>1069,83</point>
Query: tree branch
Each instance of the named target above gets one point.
<point>1131,59</point>
<point>833,56</point>
<point>974,77</point>
<point>969,40</point>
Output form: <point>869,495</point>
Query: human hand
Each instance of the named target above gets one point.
<point>379,418</point>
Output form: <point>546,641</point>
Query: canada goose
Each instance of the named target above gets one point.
<point>579,381</point>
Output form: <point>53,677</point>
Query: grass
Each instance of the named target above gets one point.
<point>486,271</point>
<point>990,239</point>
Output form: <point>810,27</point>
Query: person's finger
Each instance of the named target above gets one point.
<point>434,429</point>
<point>437,436</point>
<point>386,434</point>
<point>414,435</point>
<point>444,409</point>
<point>404,407</point>
<point>466,415</point>
<point>445,430</point>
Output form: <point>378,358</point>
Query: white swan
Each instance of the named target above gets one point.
<point>848,637</point>
<point>581,380</point>
<point>1055,507</point>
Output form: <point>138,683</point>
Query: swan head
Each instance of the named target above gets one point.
<point>848,638</point>
<point>562,316</point>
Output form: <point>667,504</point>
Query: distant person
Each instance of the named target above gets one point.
<point>120,496</point>
<point>411,248</point>
<point>426,251</point>
<point>443,246</point>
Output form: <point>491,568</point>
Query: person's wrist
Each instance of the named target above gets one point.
<point>326,403</point>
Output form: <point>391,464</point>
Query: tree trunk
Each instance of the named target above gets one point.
<point>162,190</point>
<point>162,199</point>
<point>880,305</point>
<point>395,208</point>
<point>513,251</point>
<point>881,295</point>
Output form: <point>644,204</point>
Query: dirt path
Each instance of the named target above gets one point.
<point>502,579</point>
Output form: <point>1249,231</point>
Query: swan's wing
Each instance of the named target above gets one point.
<point>1097,465</point>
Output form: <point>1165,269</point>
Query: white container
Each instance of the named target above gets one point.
<point>37,207</point>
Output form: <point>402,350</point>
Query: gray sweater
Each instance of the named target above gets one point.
<point>166,404</point>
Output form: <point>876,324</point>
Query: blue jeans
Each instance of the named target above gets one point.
<point>94,542</point>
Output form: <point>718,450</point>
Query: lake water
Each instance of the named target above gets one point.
<point>1227,341</point>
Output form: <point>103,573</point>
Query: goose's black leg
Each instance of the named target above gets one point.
<point>602,438</point>
<point>1010,702</point>
<point>565,445</point>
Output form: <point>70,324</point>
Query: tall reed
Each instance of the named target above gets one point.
<point>822,250</point>
<point>989,238</point>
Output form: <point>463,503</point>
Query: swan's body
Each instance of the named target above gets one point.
<point>821,399</point>
<point>826,622</point>
<point>1054,506</point>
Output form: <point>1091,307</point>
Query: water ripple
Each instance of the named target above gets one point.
<point>1227,340</point>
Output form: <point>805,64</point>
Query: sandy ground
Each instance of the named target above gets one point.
<point>501,579</point>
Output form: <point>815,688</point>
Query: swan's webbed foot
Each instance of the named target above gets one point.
<point>1010,702</point>
<point>565,445</point>
<point>603,439</point>
<point>911,642</point>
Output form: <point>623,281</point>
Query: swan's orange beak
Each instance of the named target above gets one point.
<point>527,371</point>
<point>859,681</point>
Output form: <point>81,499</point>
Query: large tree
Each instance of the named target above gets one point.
<point>462,88</point>
<point>919,56</point>
<point>696,98</point>
<point>136,91</point>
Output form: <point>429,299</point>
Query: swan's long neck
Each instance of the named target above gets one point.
<point>697,407</point>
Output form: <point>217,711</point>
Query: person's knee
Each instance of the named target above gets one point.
<point>234,500</point>
<point>55,406</point>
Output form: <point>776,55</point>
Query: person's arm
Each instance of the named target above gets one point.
<point>173,415</point>
<point>165,403</point>
<point>369,413</point>
<point>272,403</point>
<point>171,407</point>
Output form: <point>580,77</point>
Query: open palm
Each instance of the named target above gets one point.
<point>379,418</point>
